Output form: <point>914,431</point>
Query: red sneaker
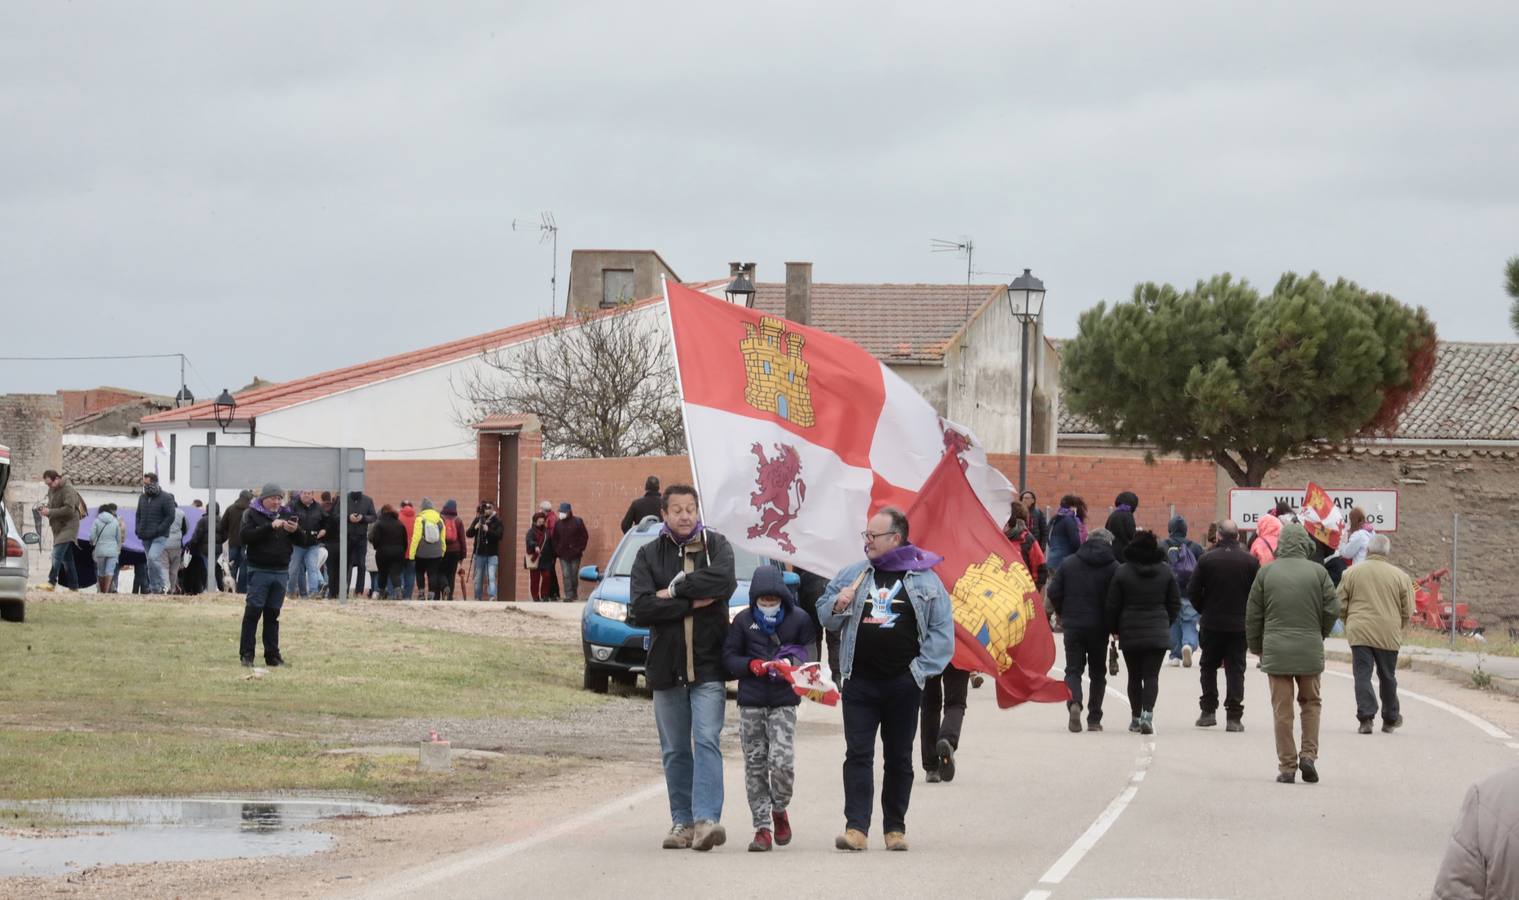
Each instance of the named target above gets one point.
<point>761,842</point>
<point>782,828</point>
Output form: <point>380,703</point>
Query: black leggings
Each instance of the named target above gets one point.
<point>429,578</point>
<point>1144,678</point>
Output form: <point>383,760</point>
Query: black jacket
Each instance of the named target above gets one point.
<point>1121,523</point>
<point>311,519</point>
<point>155,516</point>
<point>1079,590</point>
<point>229,529</point>
<point>747,641</point>
<point>359,503</point>
<point>267,547</point>
<point>1039,524</point>
<point>1143,602</point>
<point>1220,587</point>
<point>487,535</point>
<point>669,620</point>
<point>389,537</point>
<point>647,505</point>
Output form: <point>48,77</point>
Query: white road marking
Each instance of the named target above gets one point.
<point>1484,725</point>
<point>1089,838</point>
<point>430,875</point>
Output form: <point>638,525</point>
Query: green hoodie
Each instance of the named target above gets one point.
<point>1292,608</point>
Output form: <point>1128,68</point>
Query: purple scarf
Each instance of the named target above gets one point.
<point>1081,524</point>
<point>1125,507</point>
<point>682,542</point>
<point>907,558</point>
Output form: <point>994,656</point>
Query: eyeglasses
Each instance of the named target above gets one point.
<point>871,535</point>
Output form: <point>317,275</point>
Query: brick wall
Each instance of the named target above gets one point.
<point>393,480</point>
<point>77,404</point>
<point>1484,489</point>
<point>1190,486</point>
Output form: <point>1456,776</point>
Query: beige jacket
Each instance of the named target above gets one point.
<point>1377,599</point>
<point>1482,859</point>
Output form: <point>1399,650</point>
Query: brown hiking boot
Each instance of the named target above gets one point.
<point>853,839</point>
<point>707,836</point>
<point>896,840</point>
<point>679,838</point>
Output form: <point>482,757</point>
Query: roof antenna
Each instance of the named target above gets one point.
<point>963,245</point>
<point>549,233</point>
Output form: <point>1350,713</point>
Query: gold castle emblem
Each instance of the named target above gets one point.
<point>991,602</point>
<point>777,373</point>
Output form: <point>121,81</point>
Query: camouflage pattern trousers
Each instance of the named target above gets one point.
<point>768,736</point>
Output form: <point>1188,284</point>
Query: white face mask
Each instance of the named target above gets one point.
<point>563,516</point>
<point>769,612</point>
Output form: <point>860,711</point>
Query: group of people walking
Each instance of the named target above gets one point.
<point>1277,599</point>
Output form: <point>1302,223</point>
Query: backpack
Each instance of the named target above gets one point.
<point>1183,564</point>
<point>430,533</point>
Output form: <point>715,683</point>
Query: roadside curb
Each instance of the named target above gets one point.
<point>1450,672</point>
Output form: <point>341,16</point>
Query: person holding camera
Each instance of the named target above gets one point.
<point>270,535</point>
<point>486,531</point>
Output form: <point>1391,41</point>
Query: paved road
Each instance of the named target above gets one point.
<point>1039,812</point>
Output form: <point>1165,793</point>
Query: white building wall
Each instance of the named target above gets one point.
<point>983,370</point>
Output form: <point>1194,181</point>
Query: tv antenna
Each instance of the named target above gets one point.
<point>548,230</point>
<point>964,245</point>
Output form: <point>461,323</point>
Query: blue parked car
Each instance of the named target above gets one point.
<point>615,650</point>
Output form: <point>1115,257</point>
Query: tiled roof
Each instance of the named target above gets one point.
<point>259,401</point>
<point>102,465</point>
<point>909,323</point>
<point>1473,395</point>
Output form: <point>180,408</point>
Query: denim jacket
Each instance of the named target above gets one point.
<point>930,603</point>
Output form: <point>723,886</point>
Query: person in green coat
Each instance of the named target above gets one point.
<point>1292,608</point>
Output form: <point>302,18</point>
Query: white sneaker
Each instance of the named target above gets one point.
<point>1186,656</point>
<point>1175,662</point>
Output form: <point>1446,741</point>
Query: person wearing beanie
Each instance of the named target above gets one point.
<point>1143,601</point>
<point>772,630</point>
<point>407,514</point>
<point>1219,590</point>
<point>429,542</point>
<point>643,507</point>
<point>570,539</point>
<point>1182,556</point>
<point>269,534</point>
<point>454,536</point>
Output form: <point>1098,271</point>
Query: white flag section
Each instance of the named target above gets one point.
<point>796,436</point>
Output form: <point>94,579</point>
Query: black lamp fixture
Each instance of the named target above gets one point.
<point>226,408</point>
<point>1025,297</point>
<point>741,290</point>
<point>184,397</point>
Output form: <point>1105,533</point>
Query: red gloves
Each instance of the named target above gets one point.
<point>757,667</point>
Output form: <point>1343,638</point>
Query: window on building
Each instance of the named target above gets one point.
<point>616,286</point>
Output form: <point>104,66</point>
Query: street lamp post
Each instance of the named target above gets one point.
<point>1025,297</point>
<point>741,291</point>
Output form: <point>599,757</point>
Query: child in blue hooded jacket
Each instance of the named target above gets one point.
<point>772,628</point>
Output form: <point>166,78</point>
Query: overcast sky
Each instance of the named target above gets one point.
<point>279,188</point>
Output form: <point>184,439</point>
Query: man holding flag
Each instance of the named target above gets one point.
<point>896,631</point>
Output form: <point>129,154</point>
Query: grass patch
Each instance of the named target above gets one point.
<point>1495,646</point>
<point>112,698</point>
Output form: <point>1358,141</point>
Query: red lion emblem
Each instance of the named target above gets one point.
<point>780,495</point>
<point>955,442</point>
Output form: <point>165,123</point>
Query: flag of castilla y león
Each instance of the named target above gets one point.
<point>797,435</point>
<point>1000,625</point>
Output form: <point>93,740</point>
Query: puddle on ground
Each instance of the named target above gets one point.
<point>138,830</point>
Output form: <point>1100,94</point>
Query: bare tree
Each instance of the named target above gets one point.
<point>602,383</point>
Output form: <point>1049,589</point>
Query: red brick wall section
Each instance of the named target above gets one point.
<point>600,490</point>
<point>393,480</point>
<point>1099,479</point>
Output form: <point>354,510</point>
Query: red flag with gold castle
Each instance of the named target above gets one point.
<point>1000,625</point>
<point>1322,519</point>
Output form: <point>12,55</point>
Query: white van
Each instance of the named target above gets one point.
<point>13,563</point>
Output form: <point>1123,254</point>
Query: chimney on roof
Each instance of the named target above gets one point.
<point>799,292</point>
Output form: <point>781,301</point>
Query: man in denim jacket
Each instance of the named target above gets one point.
<point>896,630</point>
